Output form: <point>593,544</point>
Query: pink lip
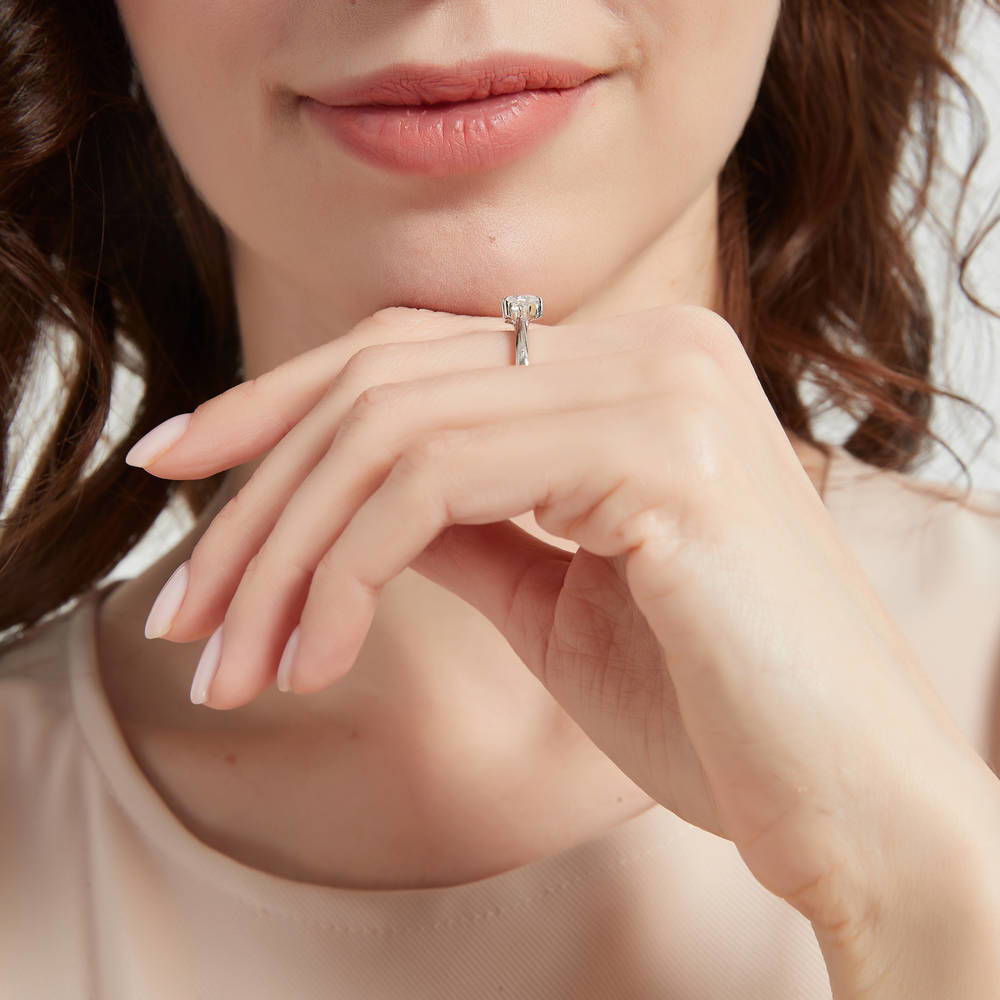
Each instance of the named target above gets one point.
<point>437,121</point>
<point>426,83</point>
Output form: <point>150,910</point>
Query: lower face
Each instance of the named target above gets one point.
<point>571,190</point>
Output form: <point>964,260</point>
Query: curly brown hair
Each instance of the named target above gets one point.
<point>103,238</point>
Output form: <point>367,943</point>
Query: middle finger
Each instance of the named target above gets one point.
<point>272,590</point>
<point>239,529</point>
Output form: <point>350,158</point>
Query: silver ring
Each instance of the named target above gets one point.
<point>520,310</point>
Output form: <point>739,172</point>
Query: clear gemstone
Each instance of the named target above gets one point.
<point>529,305</point>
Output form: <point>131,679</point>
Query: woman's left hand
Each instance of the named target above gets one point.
<point>712,634</point>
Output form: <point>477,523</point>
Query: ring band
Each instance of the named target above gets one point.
<point>520,310</point>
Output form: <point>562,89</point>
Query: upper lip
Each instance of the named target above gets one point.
<point>426,83</point>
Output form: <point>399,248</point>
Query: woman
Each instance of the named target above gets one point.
<point>750,754</point>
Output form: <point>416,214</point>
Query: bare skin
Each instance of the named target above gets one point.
<point>439,758</point>
<point>372,804</point>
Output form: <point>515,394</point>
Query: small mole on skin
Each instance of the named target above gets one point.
<point>231,758</point>
<point>354,734</point>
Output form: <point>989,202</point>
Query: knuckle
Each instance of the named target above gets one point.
<point>273,562</point>
<point>362,365</point>
<point>393,322</point>
<point>408,315</point>
<point>686,329</point>
<point>697,312</point>
<point>253,388</point>
<point>703,321</point>
<point>702,368</point>
<point>402,323</point>
<point>391,315</point>
<point>368,408</point>
<point>374,398</point>
<point>380,322</point>
<point>717,335</point>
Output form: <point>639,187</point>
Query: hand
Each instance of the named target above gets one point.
<point>712,634</point>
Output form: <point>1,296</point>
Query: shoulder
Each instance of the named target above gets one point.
<point>36,711</point>
<point>35,663</point>
<point>941,524</point>
<point>50,783</point>
<point>40,649</point>
<point>932,552</point>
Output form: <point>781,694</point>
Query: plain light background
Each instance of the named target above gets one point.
<point>968,359</point>
<point>969,348</point>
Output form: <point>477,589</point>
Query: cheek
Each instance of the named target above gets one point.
<point>705,60</point>
<point>200,60</point>
<point>202,65</point>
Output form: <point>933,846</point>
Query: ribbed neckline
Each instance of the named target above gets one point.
<point>335,908</point>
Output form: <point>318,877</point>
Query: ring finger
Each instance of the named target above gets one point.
<point>272,591</point>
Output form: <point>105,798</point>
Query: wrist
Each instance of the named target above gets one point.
<point>933,928</point>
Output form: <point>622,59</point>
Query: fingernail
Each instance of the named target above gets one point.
<point>153,444</point>
<point>167,603</point>
<point>285,664</point>
<point>207,666</point>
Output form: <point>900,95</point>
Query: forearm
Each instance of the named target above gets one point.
<point>936,935</point>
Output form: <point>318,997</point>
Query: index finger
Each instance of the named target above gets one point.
<point>253,416</point>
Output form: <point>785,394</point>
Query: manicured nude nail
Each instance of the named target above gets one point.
<point>285,664</point>
<point>167,603</point>
<point>207,666</point>
<point>163,436</point>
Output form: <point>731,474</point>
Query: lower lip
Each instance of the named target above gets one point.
<point>465,137</point>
